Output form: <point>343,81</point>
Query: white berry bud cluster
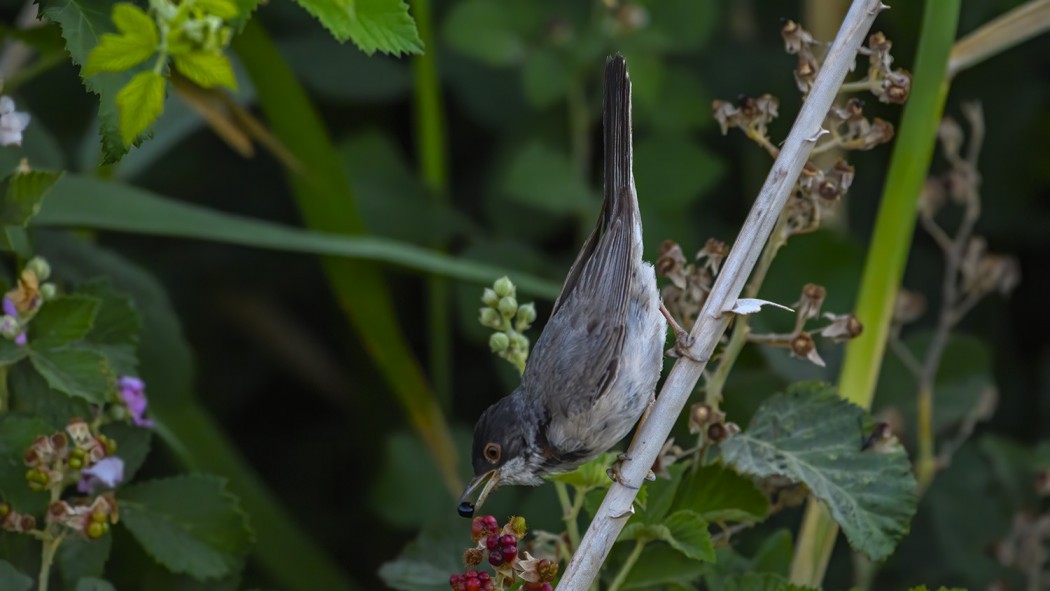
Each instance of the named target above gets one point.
<point>502,313</point>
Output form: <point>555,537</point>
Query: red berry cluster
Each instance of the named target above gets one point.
<point>471,580</point>
<point>501,549</point>
<point>483,526</point>
<point>538,586</point>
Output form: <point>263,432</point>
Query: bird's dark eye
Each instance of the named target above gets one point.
<point>492,452</point>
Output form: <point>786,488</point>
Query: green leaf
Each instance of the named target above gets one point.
<point>761,582</point>
<point>63,320</point>
<point>672,171</point>
<point>660,564</point>
<point>717,493</point>
<point>190,524</point>
<point>77,371</point>
<point>589,475</point>
<point>23,194</point>
<point>373,25</point>
<point>115,332</point>
<point>93,584</point>
<point>83,23</point>
<point>140,102</point>
<point>12,580</point>
<point>810,435</point>
<point>545,179</point>
<point>80,557</point>
<point>206,68</point>
<point>16,435</point>
<point>31,395</point>
<point>545,77</point>
<point>426,562</point>
<point>133,445</point>
<point>136,42</point>
<point>684,530</point>
<point>485,31</point>
<point>11,353</point>
<point>94,203</point>
<point>224,9</point>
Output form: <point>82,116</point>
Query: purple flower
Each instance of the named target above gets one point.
<point>133,393</point>
<point>9,307</point>
<point>107,473</point>
<point>21,338</point>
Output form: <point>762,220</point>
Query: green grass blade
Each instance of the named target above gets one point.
<point>888,253</point>
<point>85,202</point>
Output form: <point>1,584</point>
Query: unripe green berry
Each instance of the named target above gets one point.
<point>98,516</point>
<point>76,463</point>
<point>96,530</point>
<point>489,297</point>
<point>498,342</point>
<point>39,267</point>
<point>508,307</point>
<point>503,287</point>
<point>5,510</point>
<point>490,318</point>
<point>48,291</point>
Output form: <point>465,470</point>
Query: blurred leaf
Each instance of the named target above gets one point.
<point>659,564</point>
<point>346,74</point>
<point>545,179</point>
<point>80,557</point>
<point>685,531</point>
<point>93,584</point>
<point>648,74</point>
<point>116,328</point>
<point>427,562</point>
<point>136,42</point>
<point>12,580</point>
<point>133,445</point>
<point>93,203</point>
<point>545,77</point>
<point>717,493</point>
<point>373,25</point>
<point>23,194</point>
<point>83,22</point>
<point>16,435</point>
<point>206,69</point>
<point>63,320</point>
<point>924,588</point>
<point>190,524</point>
<point>677,25</point>
<point>77,371</point>
<point>484,30</point>
<point>11,353</point>
<point>589,475</point>
<point>681,102</point>
<point>810,435</point>
<point>673,171</point>
<point>140,102</point>
<point>283,550</point>
<point>31,394</point>
<point>224,9</point>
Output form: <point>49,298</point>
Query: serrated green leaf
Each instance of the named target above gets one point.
<point>662,565</point>
<point>80,557</point>
<point>63,320</point>
<point>135,43</point>
<point>206,69</point>
<point>93,584</point>
<point>761,582</point>
<point>140,102</point>
<point>373,25</point>
<point>23,193</point>
<point>32,396</point>
<point>16,435</point>
<point>190,524</point>
<point>544,178</point>
<point>12,580</point>
<point>717,493</point>
<point>76,371</point>
<point>224,9</point>
<point>810,435</point>
<point>83,22</point>
<point>589,475</point>
<point>484,30</point>
<point>685,531</point>
<point>133,445</point>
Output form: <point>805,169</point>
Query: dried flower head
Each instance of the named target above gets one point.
<point>669,453</point>
<point>843,327</point>
<point>808,305</point>
<point>803,347</point>
<point>909,306</point>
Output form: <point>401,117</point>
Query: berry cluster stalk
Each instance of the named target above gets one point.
<point>714,318</point>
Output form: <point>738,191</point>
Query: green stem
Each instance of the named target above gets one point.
<point>628,564</point>
<point>47,557</point>
<point>433,165</point>
<point>884,267</point>
<point>570,510</point>
<point>925,463</point>
<point>5,393</point>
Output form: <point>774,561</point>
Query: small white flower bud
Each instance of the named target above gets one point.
<point>508,306</point>
<point>489,297</point>
<point>39,267</point>
<point>504,287</point>
<point>499,342</point>
<point>9,328</point>
<point>526,315</point>
<point>48,291</point>
<point>490,317</point>
<point>519,342</point>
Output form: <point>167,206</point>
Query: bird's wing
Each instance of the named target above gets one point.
<point>579,352</point>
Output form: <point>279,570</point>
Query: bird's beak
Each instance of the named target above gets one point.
<point>490,480</point>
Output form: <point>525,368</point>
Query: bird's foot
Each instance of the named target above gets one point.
<point>684,342</point>
<point>614,473</point>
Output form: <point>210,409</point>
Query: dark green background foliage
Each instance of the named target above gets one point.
<point>267,383</point>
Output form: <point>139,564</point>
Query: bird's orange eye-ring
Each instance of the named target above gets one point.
<point>492,452</point>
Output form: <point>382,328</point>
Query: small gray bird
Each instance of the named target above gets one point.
<point>594,368</point>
